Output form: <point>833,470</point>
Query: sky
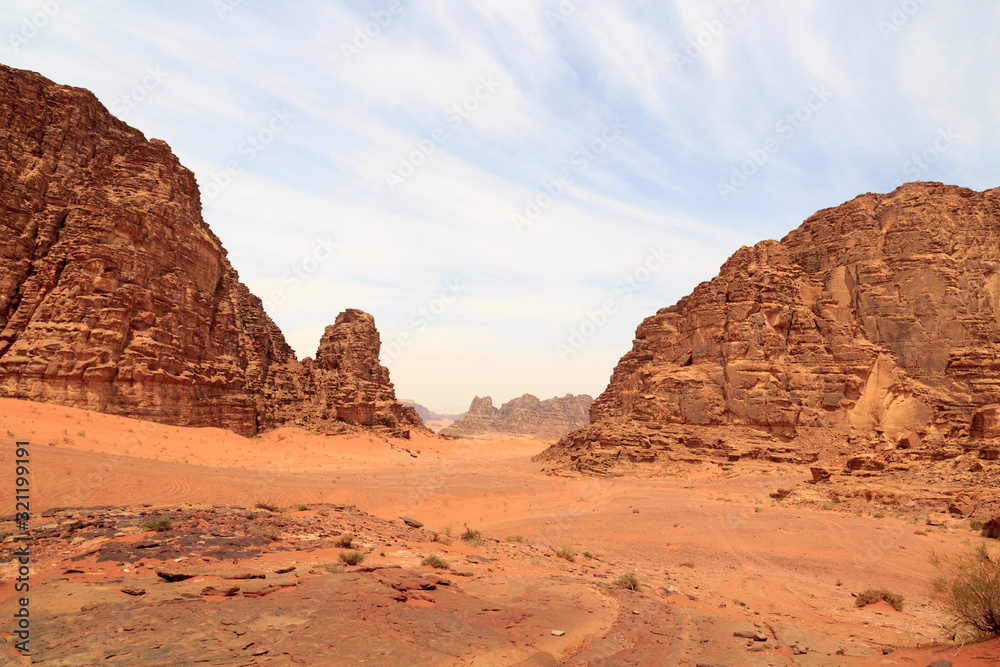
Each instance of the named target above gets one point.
<point>511,186</point>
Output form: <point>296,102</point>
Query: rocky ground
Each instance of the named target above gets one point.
<point>732,570</point>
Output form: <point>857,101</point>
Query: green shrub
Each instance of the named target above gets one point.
<point>870,595</point>
<point>345,540</point>
<point>628,581</point>
<point>968,586</point>
<point>435,561</point>
<point>976,525</point>
<point>160,525</point>
<point>352,557</point>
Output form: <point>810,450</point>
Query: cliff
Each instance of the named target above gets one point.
<point>117,297</point>
<point>551,418</point>
<point>879,318</point>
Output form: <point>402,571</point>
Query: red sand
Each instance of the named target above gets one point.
<point>715,535</point>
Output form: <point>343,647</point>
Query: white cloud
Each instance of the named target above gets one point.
<point>355,119</point>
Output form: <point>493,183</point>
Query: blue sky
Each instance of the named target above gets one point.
<point>511,186</point>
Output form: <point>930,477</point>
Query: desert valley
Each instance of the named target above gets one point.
<point>762,482</point>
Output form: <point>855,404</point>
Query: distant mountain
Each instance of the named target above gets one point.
<point>435,420</point>
<point>551,418</point>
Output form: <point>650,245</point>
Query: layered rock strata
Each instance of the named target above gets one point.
<point>878,317</point>
<point>117,297</point>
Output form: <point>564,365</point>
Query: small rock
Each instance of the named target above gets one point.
<point>886,651</point>
<point>799,650</point>
<point>941,663</point>
<point>285,570</point>
<point>560,633</point>
<point>134,591</point>
<point>636,612</point>
<point>413,523</point>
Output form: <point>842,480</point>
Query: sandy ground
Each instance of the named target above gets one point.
<point>715,535</point>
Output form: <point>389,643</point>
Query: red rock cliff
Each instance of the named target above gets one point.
<point>880,316</point>
<point>114,293</point>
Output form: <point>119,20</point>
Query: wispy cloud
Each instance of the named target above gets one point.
<point>412,81</point>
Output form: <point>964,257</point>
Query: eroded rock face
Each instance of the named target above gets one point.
<point>344,384</point>
<point>117,297</point>
<point>879,316</point>
<point>526,415</point>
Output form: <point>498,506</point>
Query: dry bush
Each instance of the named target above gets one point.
<point>870,595</point>
<point>352,557</point>
<point>968,586</point>
<point>471,537</point>
<point>628,581</point>
<point>566,552</point>
<point>160,525</point>
<point>436,561</point>
<point>345,540</point>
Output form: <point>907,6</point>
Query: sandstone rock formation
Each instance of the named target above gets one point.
<point>880,317</point>
<point>117,297</point>
<point>552,418</point>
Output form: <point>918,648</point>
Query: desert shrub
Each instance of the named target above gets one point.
<point>352,557</point>
<point>303,508</point>
<point>870,595</point>
<point>515,538</point>
<point>324,512</point>
<point>628,581</point>
<point>686,563</point>
<point>264,505</point>
<point>968,586</point>
<point>442,538</point>
<point>471,537</point>
<point>332,568</point>
<point>435,561</point>
<point>160,525</point>
<point>976,525</point>
<point>345,540</point>
<point>268,533</point>
<point>567,552</point>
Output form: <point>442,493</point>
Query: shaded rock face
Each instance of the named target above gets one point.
<point>344,384</point>
<point>114,293</point>
<point>879,316</point>
<point>552,418</point>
